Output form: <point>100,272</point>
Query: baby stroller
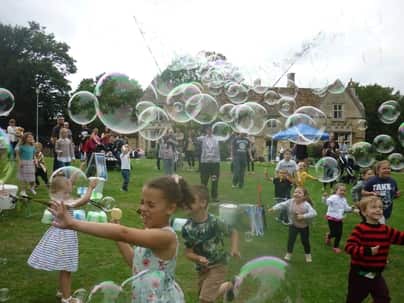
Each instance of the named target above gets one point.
<point>348,168</point>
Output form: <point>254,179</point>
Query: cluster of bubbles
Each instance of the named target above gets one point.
<point>205,89</point>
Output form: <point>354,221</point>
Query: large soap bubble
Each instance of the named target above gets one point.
<point>287,106</point>
<point>157,123</point>
<point>396,161</point>
<point>67,183</point>
<point>400,134</point>
<point>260,114</point>
<point>203,108</point>
<point>243,118</point>
<point>7,102</point>
<point>389,111</point>
<point>383,144</point>
<point>225,112</point>
<point>81,107</point>
<point>237,93</point>
<point>327,169</point>
<point>117,98</point>
<point>272,126</point>
<point>221,131</point>
<point>176,100</point>
<point>364,154</point>
<point>7,166</point>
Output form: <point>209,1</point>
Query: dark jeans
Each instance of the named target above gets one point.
<point>39,172</point>
<point>58,164</point>
<point>126,178</point>
<point>13,145</point>
<point>250,163</point>
<point>360,287</point>
<point>304,237</point>
<point>239,166</point>
<point>190,157</point>
<point>210,170</point>
<point>335,231</point>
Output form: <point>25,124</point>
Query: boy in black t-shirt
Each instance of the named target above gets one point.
<point>282,186</point>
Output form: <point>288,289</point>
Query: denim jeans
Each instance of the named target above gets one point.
<point>126,178</point>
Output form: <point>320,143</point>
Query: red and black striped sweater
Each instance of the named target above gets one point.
<point>363,238</point>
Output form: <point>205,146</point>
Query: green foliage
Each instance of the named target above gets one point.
<point>372,96</point>
<point>30,58</point>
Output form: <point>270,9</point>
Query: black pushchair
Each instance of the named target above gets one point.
<point>349,169</point>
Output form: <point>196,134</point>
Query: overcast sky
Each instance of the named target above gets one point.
<point>362,40</point>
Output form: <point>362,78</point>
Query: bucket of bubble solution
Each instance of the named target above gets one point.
<point>228,212</point>
<point>47,217</point>
<point>79,214</point>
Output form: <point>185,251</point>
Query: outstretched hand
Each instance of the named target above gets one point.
<point>62,216</point>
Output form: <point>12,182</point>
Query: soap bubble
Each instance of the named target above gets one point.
<point>287,106</point>
<point>401,134</point>
<point>117,98</point>
<point>7,102</point>
<point>272,126</point>
<point>81,107</point>
<point>336,88</point>
<point>68,177</point>
<point>389,111</point>
<point>203,108</point>
<point>362,124</point>
<point>396,161</point>
<point>237,93</point>
<point>383,144</point>
<point>271,97</point>
<point>364,154</point>
<point>327,169</point>
<point>176,100</point>
<point>221,131</point>
<point>260,114</point>
<point>7,166</point>
<point>243,118</point>
<point>157,123</point>
<point>105,292</point>
<point>225,112</point>
<point>142,105</point>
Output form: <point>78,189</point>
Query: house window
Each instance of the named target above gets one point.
<point>338,111</point>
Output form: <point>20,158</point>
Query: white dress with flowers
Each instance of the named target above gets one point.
<point>158,284</point>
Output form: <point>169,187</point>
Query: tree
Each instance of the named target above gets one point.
<point>30,58</point>
<point>372,96</point>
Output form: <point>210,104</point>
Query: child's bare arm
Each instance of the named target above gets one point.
<point>192,256</point>
<point>87,196</point>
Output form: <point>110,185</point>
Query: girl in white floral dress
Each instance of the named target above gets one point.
<point>156,246</point>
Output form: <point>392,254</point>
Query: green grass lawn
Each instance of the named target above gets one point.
<point>325,280</point>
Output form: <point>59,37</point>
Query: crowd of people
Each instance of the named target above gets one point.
<point>156,246</point>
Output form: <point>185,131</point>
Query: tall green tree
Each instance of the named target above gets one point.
<point>372,96</point>
<point>31,58</point>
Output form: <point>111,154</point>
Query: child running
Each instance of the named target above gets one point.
<point>156,246</point>
<point>383,186</point>
<point>203,237</point>
<point>356,191</point>
<point>58,249</point>
<point>302,175</point>
<point>300,211</point>
<point>337,206</point>
<point>369,246</point>
<point>40,166</point>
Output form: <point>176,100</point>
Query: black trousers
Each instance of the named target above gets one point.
<point>360,287</point>
<point>190,157</point>
<point>212,171</point>
<point>39,172</point>
<point>304,237</point>
<point>335,231</point>
<point>239,166</point>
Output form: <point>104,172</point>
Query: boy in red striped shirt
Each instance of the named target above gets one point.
<point>369,246</point>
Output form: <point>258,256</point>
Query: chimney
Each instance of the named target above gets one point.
<point>290,80</point>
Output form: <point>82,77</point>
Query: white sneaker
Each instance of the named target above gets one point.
<point>23,193</point>
<point>32,190</point>
<point>308,258</point>
<point>288,257</point>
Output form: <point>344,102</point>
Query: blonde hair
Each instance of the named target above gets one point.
<point>38,146</point>
<point>58,183</point>
<point>338,185</point>
<point>365,201</point>
<point>379,164</point>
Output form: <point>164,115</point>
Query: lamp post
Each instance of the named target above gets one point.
<point>37,112</point>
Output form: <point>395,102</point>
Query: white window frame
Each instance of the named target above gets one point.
<point>339,110</point>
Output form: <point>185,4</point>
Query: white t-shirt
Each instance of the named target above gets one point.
<point>125,161</point>
<point>12,130</point>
